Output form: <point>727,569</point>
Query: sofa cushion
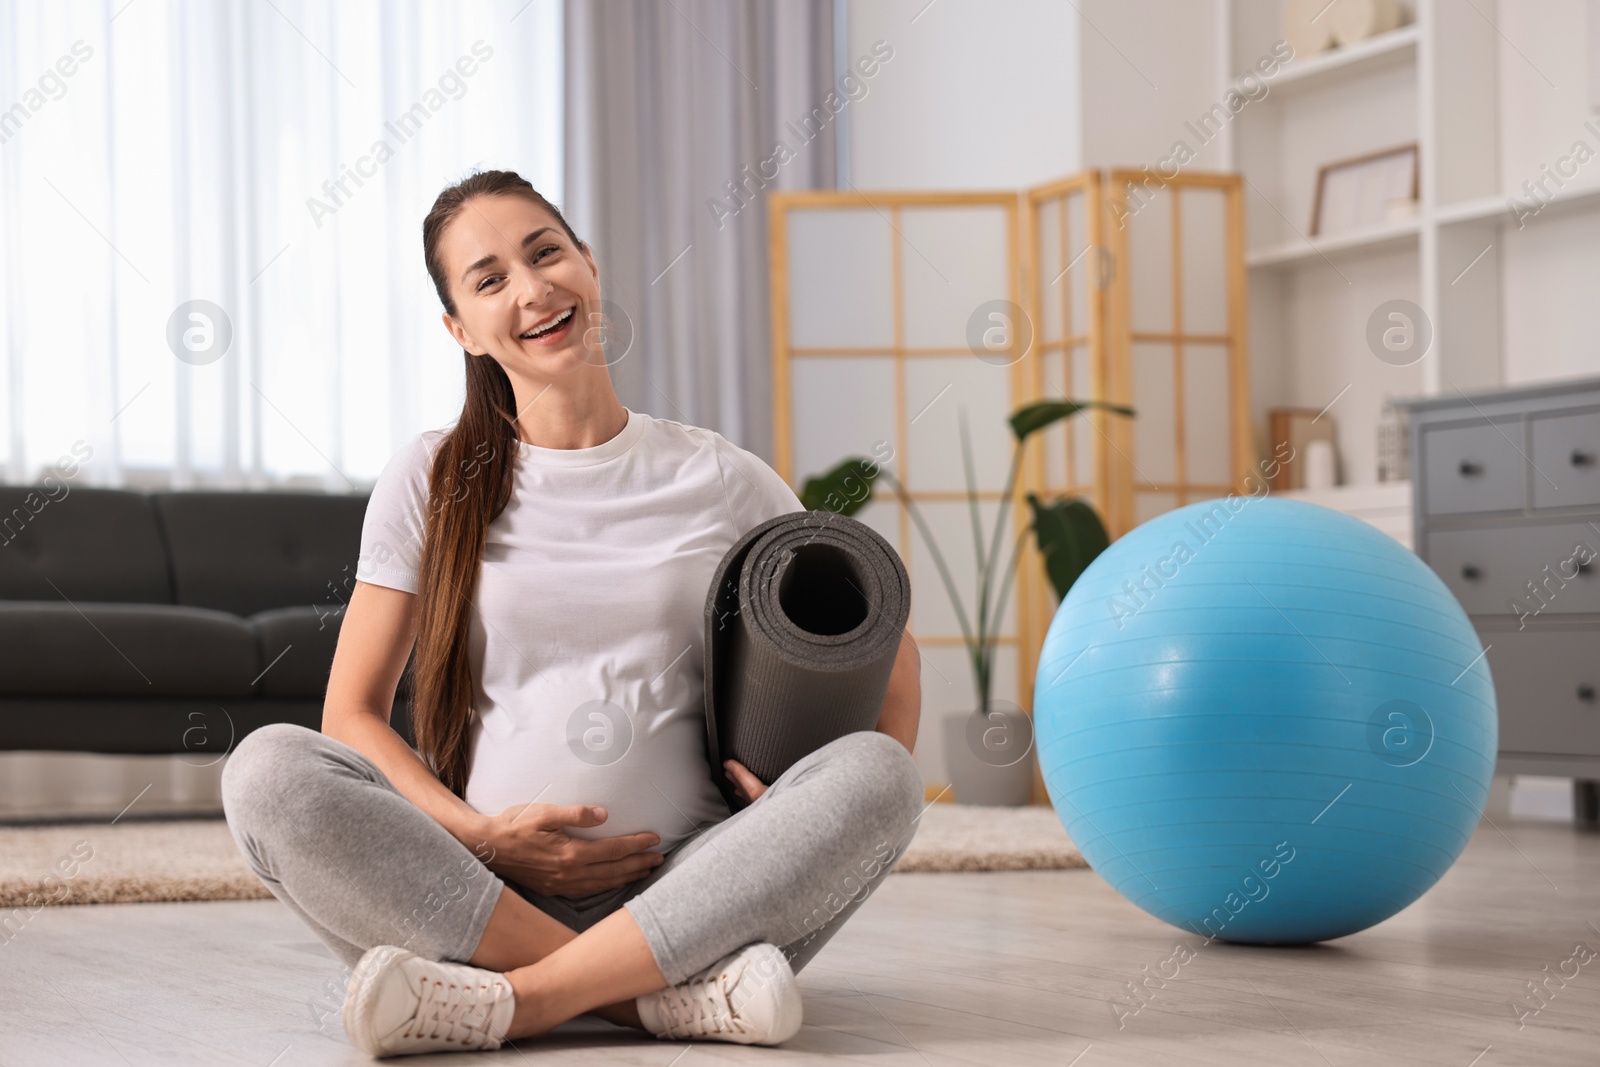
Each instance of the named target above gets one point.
<point>297,647</point>
<point>248,552</point>
<point>135,650</point>
<point>311,636</point>
<point>100,545</point>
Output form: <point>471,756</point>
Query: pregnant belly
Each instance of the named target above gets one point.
<point>659,784</point>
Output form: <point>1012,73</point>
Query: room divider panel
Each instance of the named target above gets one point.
<point>1065,267</point>
<point>1177,350</point>
<point>873,299</point>
<point>902,320</point>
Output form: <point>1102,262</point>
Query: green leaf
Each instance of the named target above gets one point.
<point>1035,417</point>
<point>1070,535</point>
<point>844,490</point>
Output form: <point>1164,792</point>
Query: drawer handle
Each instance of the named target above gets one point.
<point>1586,692</point>
<point>1469,469</point>
<point>1581,458</point>
<point>1471,573</point>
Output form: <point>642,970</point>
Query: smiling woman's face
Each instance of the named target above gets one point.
<point>513,270</point>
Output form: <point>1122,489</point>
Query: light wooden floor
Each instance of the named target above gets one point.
<point>1013,969</point>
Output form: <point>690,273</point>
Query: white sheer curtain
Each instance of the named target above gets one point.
<point>669,107</point>
<point>274,158</point>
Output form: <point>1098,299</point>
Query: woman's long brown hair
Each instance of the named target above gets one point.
<point>468,487</point>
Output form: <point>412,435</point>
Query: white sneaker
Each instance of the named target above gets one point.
<point>399,1003</point>
<point>749,997</point>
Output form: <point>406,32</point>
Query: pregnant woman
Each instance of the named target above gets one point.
<point>555,843</point>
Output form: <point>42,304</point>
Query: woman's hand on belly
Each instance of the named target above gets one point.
<point>529,845</point>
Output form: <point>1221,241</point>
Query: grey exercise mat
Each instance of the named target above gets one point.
<point>803,622</point>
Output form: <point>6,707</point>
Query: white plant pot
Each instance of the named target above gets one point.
<point>983,773</point>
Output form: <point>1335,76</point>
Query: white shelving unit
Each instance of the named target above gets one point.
<point>1494,94</point>
<point>1292,252</point>
<point>1397,46</point>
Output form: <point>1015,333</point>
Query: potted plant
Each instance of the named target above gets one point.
<point>988,750</point>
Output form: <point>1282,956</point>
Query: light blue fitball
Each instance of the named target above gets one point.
<point>1265,721</point>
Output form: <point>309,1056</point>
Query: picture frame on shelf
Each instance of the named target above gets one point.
<point>1365,191</point>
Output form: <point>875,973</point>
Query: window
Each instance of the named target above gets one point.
<point>274,160</point>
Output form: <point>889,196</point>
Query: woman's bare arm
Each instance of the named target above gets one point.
<point>379,630</point>
<point>902,705</point>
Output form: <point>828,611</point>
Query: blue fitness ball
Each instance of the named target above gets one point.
<point>1265,721</point>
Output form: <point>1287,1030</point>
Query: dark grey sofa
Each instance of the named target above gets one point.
<point>170,622</point>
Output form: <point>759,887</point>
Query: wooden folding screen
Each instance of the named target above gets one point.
<point>1177,342</point>
<point>886,312</point>
<point>1064,271</point>
<point>874,297</point>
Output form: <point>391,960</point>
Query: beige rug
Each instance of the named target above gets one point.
<point>196,859</point>
<point>967,837</point>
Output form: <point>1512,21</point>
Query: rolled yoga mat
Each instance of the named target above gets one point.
<point>803,623</point>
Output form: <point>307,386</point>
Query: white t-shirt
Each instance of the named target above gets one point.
<point>588,628</point>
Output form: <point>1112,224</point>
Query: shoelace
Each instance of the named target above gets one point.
<point>455,1010</point>
<point>699,1007</point>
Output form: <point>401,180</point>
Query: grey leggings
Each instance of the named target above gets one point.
<point>362,865</point>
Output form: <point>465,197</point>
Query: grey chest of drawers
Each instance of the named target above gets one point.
<point>1505,504</point>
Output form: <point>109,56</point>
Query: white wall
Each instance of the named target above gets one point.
<point>979,95</point>
<point>984,95</point>
<point>1552,275</point>
<point>1551,267</point>
<point>1544,86</point>
<point>1147,67</point>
